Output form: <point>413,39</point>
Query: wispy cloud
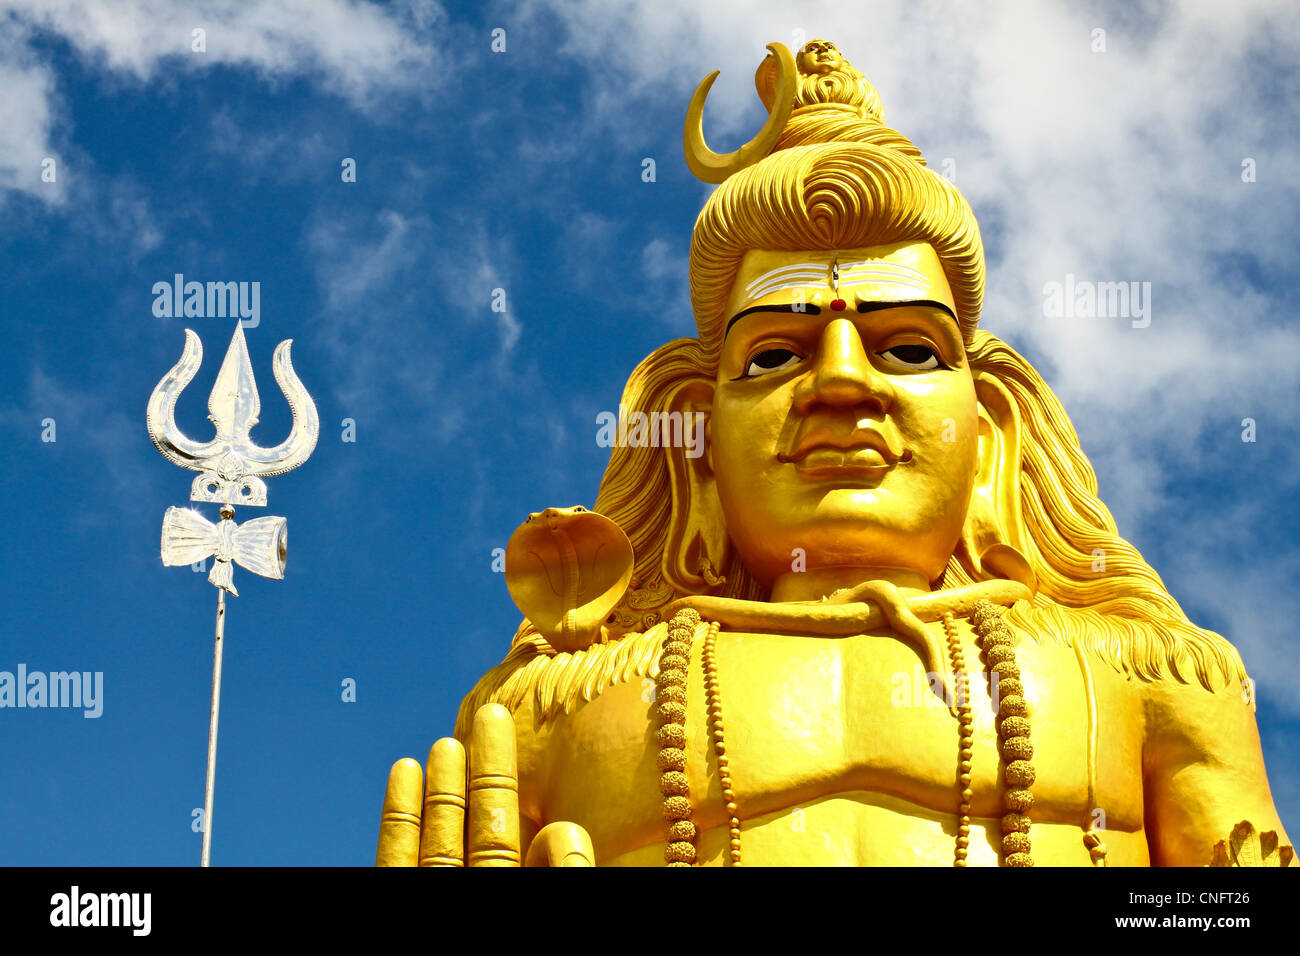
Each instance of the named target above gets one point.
<point>664,266</point>
<point>1242,578</point>
<point>51,414</point>
<point>279,154</point>
<point>408,315</point>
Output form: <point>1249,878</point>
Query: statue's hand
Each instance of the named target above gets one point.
<point>425,815</point>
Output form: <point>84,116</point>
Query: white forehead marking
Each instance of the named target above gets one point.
<point>897,275</point>
<point>811,271</point>
<point>875,269</point>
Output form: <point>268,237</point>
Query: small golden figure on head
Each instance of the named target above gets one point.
<point>869,624</point>
<point>819,56</point>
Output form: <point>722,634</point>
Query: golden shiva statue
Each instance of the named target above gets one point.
<point>881,617</point>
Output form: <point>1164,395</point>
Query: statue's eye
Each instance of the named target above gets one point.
<point>912,356</point>
<point>772,360</point>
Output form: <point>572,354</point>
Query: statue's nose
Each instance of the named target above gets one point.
<point>842,372</point>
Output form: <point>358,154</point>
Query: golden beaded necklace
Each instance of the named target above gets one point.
<point>996,643</point>
<point>670,693</point>
<point>966,736</point>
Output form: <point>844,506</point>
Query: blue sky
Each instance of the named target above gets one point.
<point>521,171</point>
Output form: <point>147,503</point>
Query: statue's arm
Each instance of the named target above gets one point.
<point>1204,771</point>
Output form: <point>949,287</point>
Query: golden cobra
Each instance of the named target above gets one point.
<point>567,569</point>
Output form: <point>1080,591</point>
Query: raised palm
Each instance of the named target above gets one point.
<point>448,817</point>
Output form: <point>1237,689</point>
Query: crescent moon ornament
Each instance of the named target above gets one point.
<point>712,167</point>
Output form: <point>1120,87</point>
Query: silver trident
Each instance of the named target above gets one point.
<point>231,468</point>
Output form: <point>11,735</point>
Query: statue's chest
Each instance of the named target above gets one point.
<point>867,712</point>
<point>805,717</point>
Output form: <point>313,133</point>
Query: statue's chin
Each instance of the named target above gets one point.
<point>853,522</point>
<point>846,551</point>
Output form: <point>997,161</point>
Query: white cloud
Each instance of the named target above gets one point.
<point>25,121</point>
<point>359,51</point>
<point>354,49</point>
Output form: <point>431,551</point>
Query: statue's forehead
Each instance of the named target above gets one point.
<point>898,272</point>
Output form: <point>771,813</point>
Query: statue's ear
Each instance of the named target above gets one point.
<point>994,535</point>
<point>697,551</point>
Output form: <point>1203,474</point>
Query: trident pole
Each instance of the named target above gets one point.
<point>214,715</point>
<point>231,470</point>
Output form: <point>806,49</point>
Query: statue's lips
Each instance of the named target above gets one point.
<point>864,455</point>
<point>843,463</point>
<point>862,448</point>
<point>822,458</point>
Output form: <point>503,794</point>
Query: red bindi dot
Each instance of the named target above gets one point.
<point>837,305</point>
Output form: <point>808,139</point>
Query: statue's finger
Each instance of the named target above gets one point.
<point>399,825</point>
<point>561,844</point>
<point>493,832</point>
<point>442,838</point>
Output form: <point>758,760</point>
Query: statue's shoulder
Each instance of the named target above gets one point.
<point>1164,656</point>
<point>552,683</point>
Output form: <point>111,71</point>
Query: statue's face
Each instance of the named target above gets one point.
<point>848,432</point>
<point>818,56</point>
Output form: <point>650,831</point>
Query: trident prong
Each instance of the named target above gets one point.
<point>231,465</point>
